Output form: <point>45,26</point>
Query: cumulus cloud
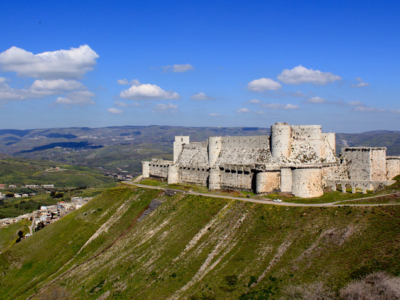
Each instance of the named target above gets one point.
<point>53,87</point>
<point>263,84</point>
<point>80,98</point>
<point>214,115</point>
<point>165,108</point>
<point>73,63</point>
<point>300,74</point>
<point>201,96</point>
<point>182,68</point>
<point>126,82</point>
<point>243,110</point>
<point>360,83</point>
<point>3,79</point>
<point>147,92</point>
<point>254,101</point>
<point>39,89</point>
<point>279,106</point>
<point>113,110</point>
<point>316,100</point>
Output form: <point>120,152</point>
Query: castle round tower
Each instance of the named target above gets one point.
<point>280,140</point>
<point>307,182</point>
<point>214,148</point>
<point>173,175</point>
<point>214,182</point>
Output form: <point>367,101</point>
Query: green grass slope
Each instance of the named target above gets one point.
<point>195,247</point>
<point>24,171</point>
<point>9,234</point>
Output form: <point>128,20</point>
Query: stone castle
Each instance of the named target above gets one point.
<point>294,159</point>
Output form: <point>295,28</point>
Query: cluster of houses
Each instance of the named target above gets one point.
<point>27,186</point>
<point>120,177</point>
<point>48,214</point>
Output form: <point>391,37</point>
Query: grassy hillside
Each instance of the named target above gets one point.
<point>24,171</point>
<point>195,247</point>
<point>9,234</point>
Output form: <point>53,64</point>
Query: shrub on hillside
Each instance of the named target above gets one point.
<point>378,285</point>
<point>314,291</point>
<point>55,293</point>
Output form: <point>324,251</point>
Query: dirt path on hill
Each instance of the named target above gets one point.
<point>270,202</point>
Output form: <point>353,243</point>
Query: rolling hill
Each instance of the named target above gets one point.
<point>195,247</point>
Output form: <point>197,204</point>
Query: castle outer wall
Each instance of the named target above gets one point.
<point>294,159</point>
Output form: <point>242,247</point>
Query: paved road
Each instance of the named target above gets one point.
<point>265,201</point>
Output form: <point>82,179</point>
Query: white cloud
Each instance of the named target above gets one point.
<point>263,84</point>
<point>260,112</point>
<point>356,103</point>
<point>243,110</point>
<point>316,100</point>
<point>77,98</point>
<point>254,101</point>
<point>396,111</point>
<point>124,104</point>
<point>299,75</point>
<point>360,83</point>
<point>367,109</point>
<point>147,92</point>
<point>279,106</point>
<point>53,87</point>
<point>113,110</point>
<point>164,108</point>
<point>126,82</point>
<point>3,79</point>
<point>214,115</point>
<point>201,96</point>
<point>73,63</point>
<point>182,68</point>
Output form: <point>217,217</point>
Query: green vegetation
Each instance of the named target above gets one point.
<point>9,234</point>
<point>23,171</point>
<point>199,247</point>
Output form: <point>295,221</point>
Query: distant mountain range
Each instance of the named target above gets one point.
<point>122,148</point>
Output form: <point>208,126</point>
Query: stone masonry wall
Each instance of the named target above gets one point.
<point>358,162</point>
<point>378,164</point>
<point>392,167</point>
<point>158,169</point>
<point>233,179</point>
<point>194,175</point>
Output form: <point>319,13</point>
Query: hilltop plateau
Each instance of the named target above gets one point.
<point>135,243</point>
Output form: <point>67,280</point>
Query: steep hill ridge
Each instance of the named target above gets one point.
<point>199,248</point>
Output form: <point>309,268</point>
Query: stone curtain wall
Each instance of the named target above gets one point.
<point>358,162</point>
<point>159,169</point>
<point>194,175</point>
<point>378,164</point>
<point>392,166</point>
<point>233,179</point>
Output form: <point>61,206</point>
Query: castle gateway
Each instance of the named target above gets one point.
<point>296,159</point>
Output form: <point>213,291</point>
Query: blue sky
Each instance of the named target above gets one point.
<point>200,63</point>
